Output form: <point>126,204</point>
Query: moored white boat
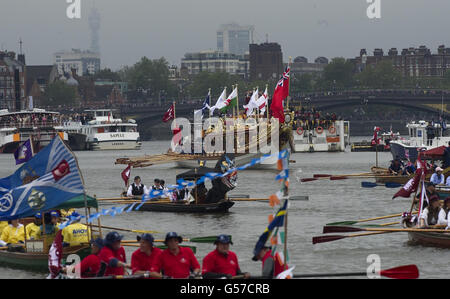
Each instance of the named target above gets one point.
<point>104,132</point>
<point>332,139</point>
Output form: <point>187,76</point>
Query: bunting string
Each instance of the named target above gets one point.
<point>181,184</point>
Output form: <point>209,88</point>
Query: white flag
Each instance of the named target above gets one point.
<point>262,102</point>
<point>220,101</point>
<point>252,103</point>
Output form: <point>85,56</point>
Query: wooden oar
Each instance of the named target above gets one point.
<point>128,230</point>
<point>134,276</point>
<point>347,229</point>
<point>330,238</point>
<point>329,175</point>
<point>402,272</point>
<point>137,201</point>
<point>351,222</point>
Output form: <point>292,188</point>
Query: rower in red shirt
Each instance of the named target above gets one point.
<point>113,255</point>
<point>90,265</point>
<point>143,258</point>
<point>175,261</point>
<point>271,266</point>
<point>222,262</point>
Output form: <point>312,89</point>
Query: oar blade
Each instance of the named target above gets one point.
<point>402,272</point>
<point>342,223</point>
<point>324,239</point>
<point>208,239</point>
<point>322,175</point>
<point>392,185</point>
<point>335,178</point>
<point>340,229</point>
<point>299,197</point>
<point>368,184</point>
<point>308,180</point>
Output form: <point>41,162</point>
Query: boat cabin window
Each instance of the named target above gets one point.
<point>419,133</point>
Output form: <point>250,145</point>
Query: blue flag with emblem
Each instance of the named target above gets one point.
<point>48,179</point>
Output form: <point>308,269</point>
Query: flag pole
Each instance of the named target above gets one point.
<point>237,101</point>
<point>267,103</point>
<point>286,193</point>
<point>209,95</point>
<point>289,84</point>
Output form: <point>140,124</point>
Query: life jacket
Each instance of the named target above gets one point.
<point>137,190</point>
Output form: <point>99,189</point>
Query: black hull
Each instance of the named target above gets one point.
<point>220,207</point>
<point>77,141</point>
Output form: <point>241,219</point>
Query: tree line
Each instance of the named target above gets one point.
<point>149,81</point>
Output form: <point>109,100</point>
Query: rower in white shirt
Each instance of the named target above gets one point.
<point>136,188</point>
<point>430,215</point>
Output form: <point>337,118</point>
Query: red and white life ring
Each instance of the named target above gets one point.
<point>300,131</point>
<point>332,129</point>
<point>319,130</point>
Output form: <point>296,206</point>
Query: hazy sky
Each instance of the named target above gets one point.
<point>131,29</point>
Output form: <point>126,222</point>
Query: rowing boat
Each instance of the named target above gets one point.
<point>385,177</point>
<point>22,257</point>
<point>441,240</point>
<point>218,207</point>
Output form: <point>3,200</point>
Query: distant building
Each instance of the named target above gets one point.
<point>12,81</point>
<point>411,62</point>
<point>301,66</point>
<point>235,39</point>
<point>38,77</point>
<point>215,61</point>
<point>266,61</point>
<point>84,62</point>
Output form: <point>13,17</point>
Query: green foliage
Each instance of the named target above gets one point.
<point>107,74</point>
<point>338,74</point>
<point>381,75</point>
<point>60,93</point>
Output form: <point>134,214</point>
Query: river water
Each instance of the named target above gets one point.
<point>329,201</point>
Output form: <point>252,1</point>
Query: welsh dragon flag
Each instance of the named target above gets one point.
<point>231,101</point>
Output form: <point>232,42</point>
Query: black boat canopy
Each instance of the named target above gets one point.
<point>195,174</point>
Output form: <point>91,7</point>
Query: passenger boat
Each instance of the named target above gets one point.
<point>18,127</point>
<point>418,140</point>
<point>432,239</point>
<point>335,138</point>
<point>35,253</point>
<point>104,132</point>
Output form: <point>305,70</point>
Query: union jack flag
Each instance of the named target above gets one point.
<point>284,77</point>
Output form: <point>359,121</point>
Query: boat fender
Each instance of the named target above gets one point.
<point>300,131</point>
<point>332,130</point>
<point>319,130</point>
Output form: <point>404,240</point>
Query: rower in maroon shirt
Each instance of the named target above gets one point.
<point>113,255</point>
<point>222,262</point>
<point>175,261</point>
<point>143,258</point>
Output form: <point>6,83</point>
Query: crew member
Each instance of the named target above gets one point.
<point>430,215</point>
<point>175,261</point>
<point>13,233</point>
<point>409,169</point>
<point>429,191</point>
<point>443,214</point>
<point>438,178</point>
<point>90,265</point>
<point>143,258</point>
<point>136,188</point>
<point>156,185</point>
<point>446,157</point>
<point>271,266</point>
<point>75,233</point>
<point>113,255</point>
<point>33,229</point>
<point>55,219</point>
<point>395,167</point>
<point>222,262</point>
